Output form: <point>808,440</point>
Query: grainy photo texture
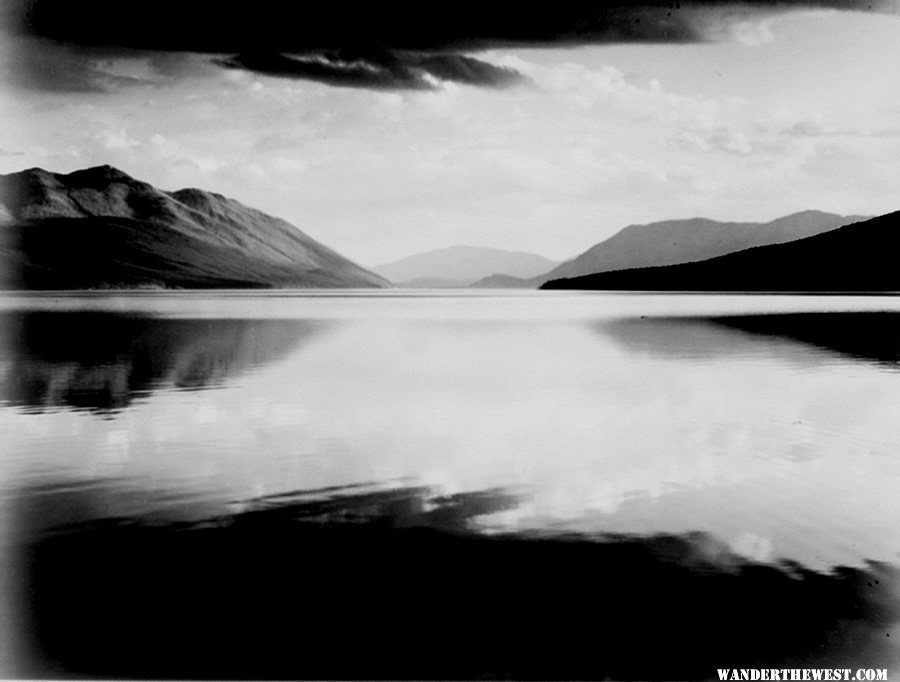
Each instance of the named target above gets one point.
<point>480,340</point>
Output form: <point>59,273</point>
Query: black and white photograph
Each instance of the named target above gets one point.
<point>450,341</point>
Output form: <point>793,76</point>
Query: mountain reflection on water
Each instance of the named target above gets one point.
<point>101,361</point>
<point>865,336</point>
<point>872,336</point>
<point>397,582</point>
<point>447,487</point>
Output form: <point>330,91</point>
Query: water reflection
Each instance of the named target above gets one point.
<point>551,498</point>
<point>865,336</point>
<point>101,362</point>
<point>394,582</point>
<point>871,336</point>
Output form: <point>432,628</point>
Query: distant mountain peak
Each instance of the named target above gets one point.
<point>104,172</point>
<point>808,211</point>
<point>815,215</point>
<point>102,177</point>
<point>31,172</point>
<point>37,184</point>
<point>461,265</point>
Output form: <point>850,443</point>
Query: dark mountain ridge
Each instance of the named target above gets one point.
<point>855,258</point>
<point>672,242</point>
<point>99,227</point>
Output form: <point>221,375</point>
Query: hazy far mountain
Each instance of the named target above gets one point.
<point>682,241</point>
<point>860,257</point>
<point>504,282</point>
<point>461,266</point>
<point>99,227</point>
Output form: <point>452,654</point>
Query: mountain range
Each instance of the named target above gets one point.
<point>460,266</point>
<point>860,257</point>
<point>678,241</point>
<point>101,228</point>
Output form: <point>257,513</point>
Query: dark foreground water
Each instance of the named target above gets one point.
<point>358,485</point>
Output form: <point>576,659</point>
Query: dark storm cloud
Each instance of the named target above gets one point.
<point>382,70</point>
<point>294,27</point>
<point>297,27</point>
<point>383,45</point>
<point>41,64</point>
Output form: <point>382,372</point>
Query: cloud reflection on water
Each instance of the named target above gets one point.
<point>662,425</point>
<point>403,583</point>
<point>685,486</point>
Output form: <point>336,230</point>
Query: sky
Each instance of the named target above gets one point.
<point>540,132</point>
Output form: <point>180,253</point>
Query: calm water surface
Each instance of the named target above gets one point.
<point>751,431</point>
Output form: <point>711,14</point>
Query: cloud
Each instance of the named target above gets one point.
<point>380,45</point>
<point>468,70</point>
<point>378,70</point>
<point>52,67</point>
<point>331,68</point>
<point>206,26</point>
<point>209,27</point>
<point>808,128</point>
<point>41,64</point>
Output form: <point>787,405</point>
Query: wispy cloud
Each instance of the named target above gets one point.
<point>380,70</point>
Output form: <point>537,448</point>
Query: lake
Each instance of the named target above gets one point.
<point>360,484</point>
